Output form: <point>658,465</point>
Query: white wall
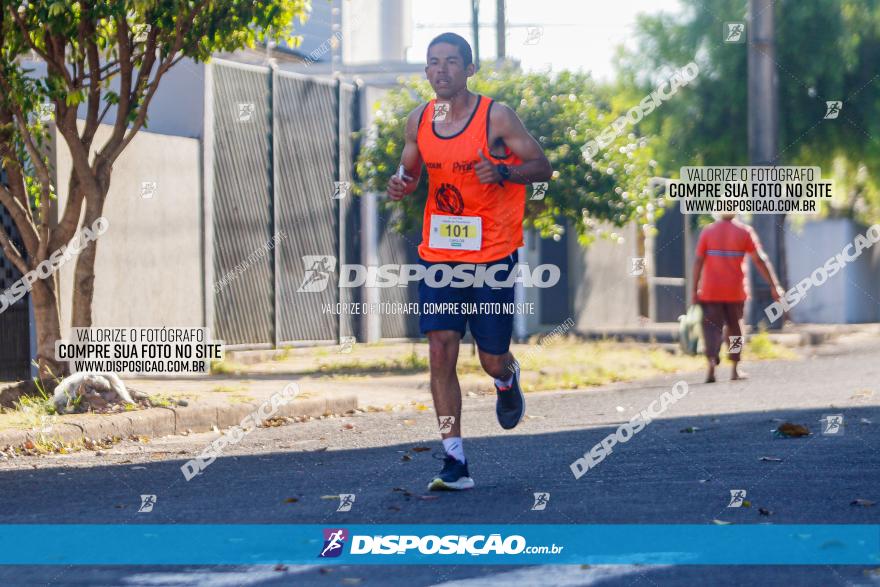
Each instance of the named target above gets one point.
<point>375,31</point>
<point>604,294</point>
<point>850,296</point>
<point>148,270</point>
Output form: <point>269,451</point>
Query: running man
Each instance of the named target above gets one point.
<point>479,158</point>
<point>720,286</point>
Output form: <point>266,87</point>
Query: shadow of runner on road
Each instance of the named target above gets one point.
<point>663,474</point>
<point>679,470</point>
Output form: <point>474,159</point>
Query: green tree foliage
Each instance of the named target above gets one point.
<point>102,62</point>
<point>563,111</point>
<point>826,50</point>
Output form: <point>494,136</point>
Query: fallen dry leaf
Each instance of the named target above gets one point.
<point>273,422</point>
<point>420,448</point>
<point>790,430</point>
<point>406,458</point>
<point>348,427</point>
<point>865,503</point>
<point>291,500</point>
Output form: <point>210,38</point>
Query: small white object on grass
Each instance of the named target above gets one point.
<point>101,382</point>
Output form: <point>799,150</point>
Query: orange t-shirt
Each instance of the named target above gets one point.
<point>724,245</point>
<point>455,190</point>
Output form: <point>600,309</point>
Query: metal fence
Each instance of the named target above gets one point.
<point>280,143</point>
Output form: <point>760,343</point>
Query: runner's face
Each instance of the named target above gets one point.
<point>446,70</point>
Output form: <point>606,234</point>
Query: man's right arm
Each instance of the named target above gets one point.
<point>699,256</point>
<point>411,160</point>
<point>695,285</point>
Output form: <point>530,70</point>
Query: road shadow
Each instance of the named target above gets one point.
<point>679,470</point>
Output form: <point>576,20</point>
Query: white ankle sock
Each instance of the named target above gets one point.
<point>454,448</point>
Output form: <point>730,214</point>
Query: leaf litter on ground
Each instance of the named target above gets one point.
<point>789,430</point>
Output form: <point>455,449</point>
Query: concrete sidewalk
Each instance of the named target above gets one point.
<point>330,383</point>
<point>207,409</point>
<point>794,335</point>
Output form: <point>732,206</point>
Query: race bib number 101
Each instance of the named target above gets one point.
<point>463,233</point>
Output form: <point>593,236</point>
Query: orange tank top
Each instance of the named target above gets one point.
<point>455,191</point>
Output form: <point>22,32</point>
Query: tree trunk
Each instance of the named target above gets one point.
<point>48,328</point>
<point>84,287</point>
<point>84,274</point>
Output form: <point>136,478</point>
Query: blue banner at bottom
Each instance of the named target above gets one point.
<point>230,544</point>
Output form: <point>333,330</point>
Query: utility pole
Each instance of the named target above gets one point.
<point>475,30</point>
<point>500,32</point>
<point>763,147</point>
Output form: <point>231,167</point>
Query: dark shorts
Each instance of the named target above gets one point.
<point>491,329</point>
<point>717,315</point>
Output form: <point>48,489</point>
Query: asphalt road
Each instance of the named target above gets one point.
<point>662,475</point>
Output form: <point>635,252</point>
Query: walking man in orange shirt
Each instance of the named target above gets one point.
<point>479,158</point>
<point>719,286</point>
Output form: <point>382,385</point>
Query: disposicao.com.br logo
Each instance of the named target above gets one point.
<point>476,545</point>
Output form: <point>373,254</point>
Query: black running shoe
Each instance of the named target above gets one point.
<point>453,477</point>
<point>511,404</point>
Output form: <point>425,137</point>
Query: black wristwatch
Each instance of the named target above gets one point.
<point>503,171</point>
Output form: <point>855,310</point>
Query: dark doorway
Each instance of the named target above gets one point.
<point>15,320</point>
<point>555,307</point>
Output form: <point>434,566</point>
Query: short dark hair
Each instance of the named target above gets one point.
<point>464,47</point>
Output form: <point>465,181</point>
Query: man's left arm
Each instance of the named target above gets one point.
<point>507,126</point>
<point>765,267</point>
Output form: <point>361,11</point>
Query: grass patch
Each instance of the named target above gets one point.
<point>36,412</point>
<point>578,365</point>
<point>566,363</point>
<point>410,363</point>
<point>162,401</point>
<point>229,388</point>
<point>761,347</point>
<point>224,367</point>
